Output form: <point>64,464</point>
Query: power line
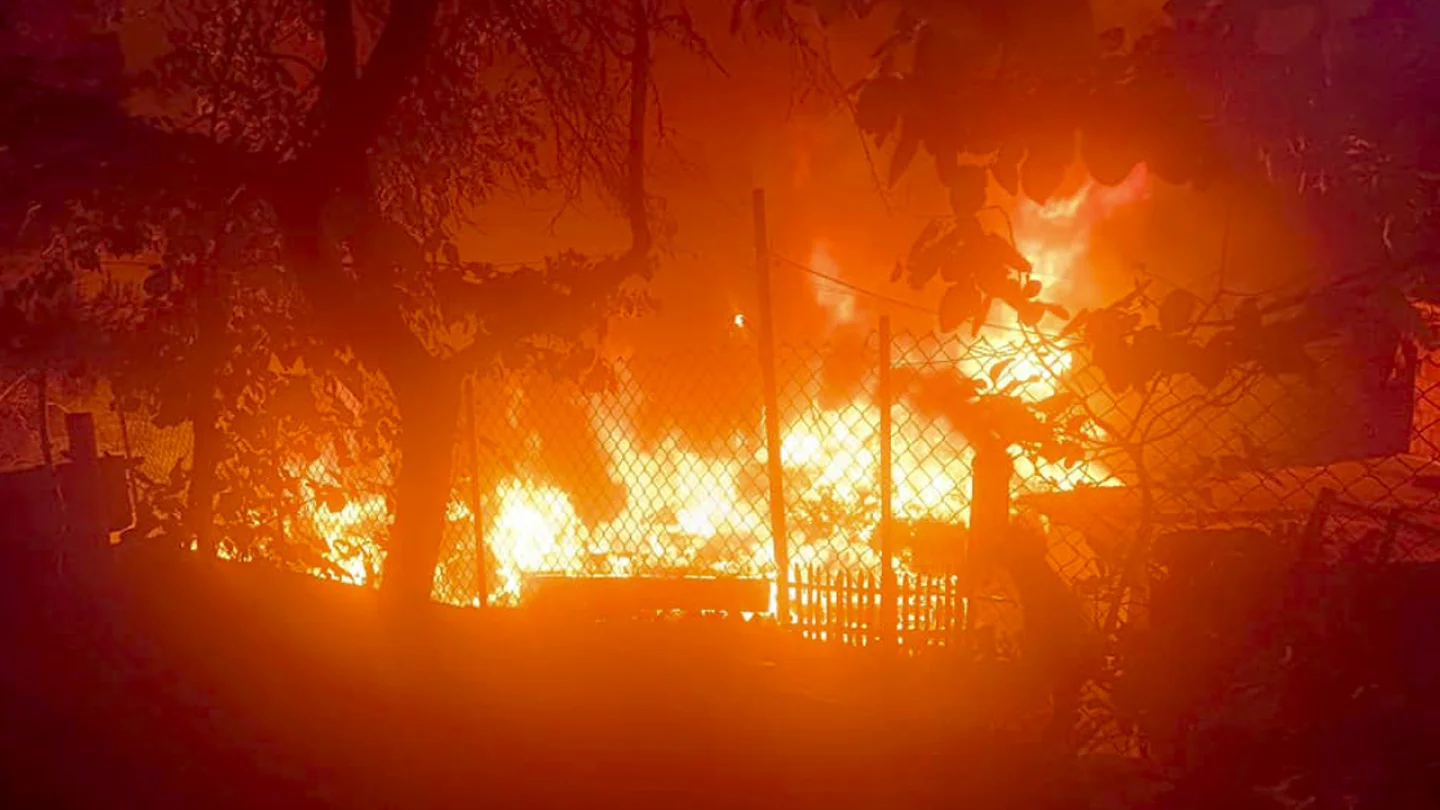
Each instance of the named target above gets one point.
<point>858,290</point>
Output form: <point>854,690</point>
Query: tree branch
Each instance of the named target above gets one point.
<point>339,30</point>
<point>354,112</point>
<point>639,95</point>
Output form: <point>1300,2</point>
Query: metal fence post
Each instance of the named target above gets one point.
<point>775,471</point>
<point>482,590</point>
<point>888,602</point>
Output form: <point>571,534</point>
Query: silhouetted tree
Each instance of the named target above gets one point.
<point>367,131</point>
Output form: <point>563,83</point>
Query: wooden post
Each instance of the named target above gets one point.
<point>989,515</point>
<point>482,589</point>
<point>129,459</point>
<point>47,451</point>
<point>774,470</point>
<point>83,489</point>
<point>56,507</point>
<point>888,596</point>
<point>80,428</point>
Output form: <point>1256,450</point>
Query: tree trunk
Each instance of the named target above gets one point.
<point>200,508</point>
<point>211,347</point>
<point>429,402</point>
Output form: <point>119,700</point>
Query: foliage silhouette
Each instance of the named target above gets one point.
<point>359,173</point>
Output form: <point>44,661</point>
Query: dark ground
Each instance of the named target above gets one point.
<point>169,682</point>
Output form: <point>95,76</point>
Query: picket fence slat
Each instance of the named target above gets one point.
<point>845,608</point>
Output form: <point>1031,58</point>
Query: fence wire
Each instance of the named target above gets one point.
<point>661,474</point>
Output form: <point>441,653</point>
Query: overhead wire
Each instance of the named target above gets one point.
<point>856,289</point>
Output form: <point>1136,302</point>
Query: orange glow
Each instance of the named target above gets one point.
<point>681,506</point>
<point>1055,236</point>
<point>838,302</point>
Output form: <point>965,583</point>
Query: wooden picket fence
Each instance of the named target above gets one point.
<point>845,607</point>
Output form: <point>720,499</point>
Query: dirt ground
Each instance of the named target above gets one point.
<point>166,681</point>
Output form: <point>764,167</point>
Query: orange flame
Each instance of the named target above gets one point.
<point>688,504</point>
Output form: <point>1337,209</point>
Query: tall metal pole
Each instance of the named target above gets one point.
<point>482,589</point>
<point>889,619</point>
<point>773,467</point>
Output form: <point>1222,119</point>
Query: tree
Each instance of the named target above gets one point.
<point>1011,93</point>
<point>365,131</point>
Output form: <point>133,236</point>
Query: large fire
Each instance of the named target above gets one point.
<point>691,514</point>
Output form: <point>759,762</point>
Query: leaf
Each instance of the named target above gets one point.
<point>1014,385</point>
<point>881,101</point>
<point>1006,168</point>
<point>967,190</point>
<point>1076,323</point>
<point>1132,297</point>
<point>998,369</point>
<point>1110,156</point>
<point>172,411</point>
<point>1028,312</point>
<point>1001,250</point>
<point>1208,365</point>
<point>1043,171</point>
<point>158,282</point>
<point>960,303</point>
<point>1056,403</point>
<point>1176,311</point>
<point>927,236</point>
<point>923,269</point>
<point>981,316</point>
<point>904,152</point>
<point>924,260</point>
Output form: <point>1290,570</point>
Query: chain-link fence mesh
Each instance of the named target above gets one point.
<point>658,474</point>
<point>661,474</point>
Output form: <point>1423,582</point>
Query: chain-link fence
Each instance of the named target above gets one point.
<point>661,474</point>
